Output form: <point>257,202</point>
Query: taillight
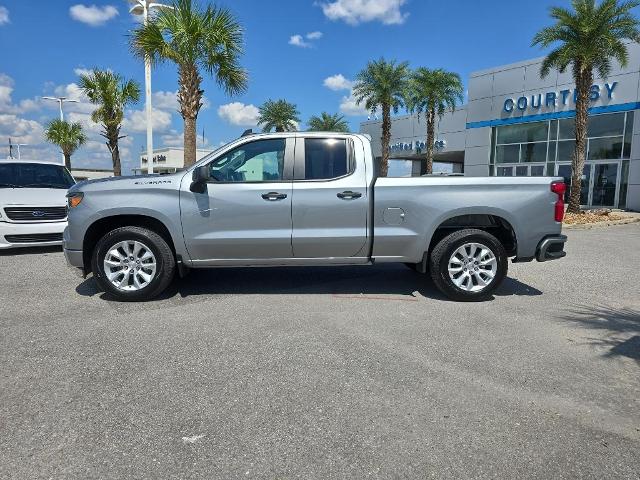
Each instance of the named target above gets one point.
<point>559,188</point>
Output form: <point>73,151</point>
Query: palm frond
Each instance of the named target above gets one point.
<point>589,36</point>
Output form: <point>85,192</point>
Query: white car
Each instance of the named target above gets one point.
<point>33,206</point>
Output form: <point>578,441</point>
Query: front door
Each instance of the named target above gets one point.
<point>245,213</point>
<point>330,199</point>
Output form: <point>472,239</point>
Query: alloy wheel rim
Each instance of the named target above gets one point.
<point>472,267</point>
<point>130,265</point>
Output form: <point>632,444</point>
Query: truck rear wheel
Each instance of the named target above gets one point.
<point>133,264</point>
<point>468,265</point>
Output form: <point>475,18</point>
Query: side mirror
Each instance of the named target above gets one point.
<point>199,179</point>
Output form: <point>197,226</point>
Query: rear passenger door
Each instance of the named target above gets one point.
<point>329,204</point>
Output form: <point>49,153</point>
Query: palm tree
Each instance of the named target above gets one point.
<point>279,115</point>
<point>382,84</point>
<point>328,122</point>
<point>433,92</point>
<point>195,40</point>
<point>68,136</point>
<point>111,93</point>
<point>586,39</point>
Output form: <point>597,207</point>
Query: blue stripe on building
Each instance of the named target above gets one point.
<point>622,107</point>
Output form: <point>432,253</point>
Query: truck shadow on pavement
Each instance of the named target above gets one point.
<point>620,328</point>
<point>12,252</point>
<point>380,282</point>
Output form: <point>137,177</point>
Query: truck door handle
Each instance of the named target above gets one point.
<point>273,196</point>
<point>348,195</point>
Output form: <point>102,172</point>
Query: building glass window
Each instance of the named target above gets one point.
<point>537,170</point>
<point>507,153</point>
<point>551,143</point>
<point>624,182</point>
<point>628,133</point>
<point>533,152</point>
<point>605,148</point>
<point>565,150</point>
<point>523,133</point>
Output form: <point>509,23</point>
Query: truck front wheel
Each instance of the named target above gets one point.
<point>133,264</point>
<point>468,265</point>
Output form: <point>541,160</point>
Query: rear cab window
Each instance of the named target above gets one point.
<point>325,159</point>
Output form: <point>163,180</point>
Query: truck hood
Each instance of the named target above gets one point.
<point>36,197</point>
<point>129,182</point>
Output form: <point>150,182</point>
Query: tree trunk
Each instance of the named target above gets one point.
<point>431,133</point>
<point>67,160</point>
<point>584,79</point>
<point>115,159</point>
<point>386,139</point>
<point>279,129</point>
<point>190,99</point>
<point>189,141</point>
<point>112,134</point>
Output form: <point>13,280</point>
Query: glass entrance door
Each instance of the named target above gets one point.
<point>599,183</point>
<point>565,172</point>
<point>604,184</point>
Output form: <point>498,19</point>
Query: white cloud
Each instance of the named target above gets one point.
<point>237,113</point>
<point>21,130</point>
<point>6,102</point>
<point>93,15</point>
<point>298,41</point>
<point>172,139</point>
<point>348,106</point>
<point>136,121</point>
<point>4,15</point>
<point>6,88</point>
<point>73,92</point>
<point>176,139</point>
<point>165,100</point>
<point>82,71</point>
<point>169,101</point>
<point>354,12</point>
<point>338,82</point>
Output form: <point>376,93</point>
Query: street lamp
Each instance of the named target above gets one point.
<point>60,101</point>
<point>143,7</point>
<point>11,145</point>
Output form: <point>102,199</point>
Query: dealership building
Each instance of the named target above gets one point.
<point>516,123</point>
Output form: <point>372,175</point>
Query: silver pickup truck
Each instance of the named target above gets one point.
<point>308,199</point>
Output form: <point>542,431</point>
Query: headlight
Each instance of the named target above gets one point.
<point>74,199</point>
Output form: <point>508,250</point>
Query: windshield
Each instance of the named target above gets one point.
<point>34,175</point>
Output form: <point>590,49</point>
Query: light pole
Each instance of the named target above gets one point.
<point>11,145</point>
<point>60,101</point>
<point>143,7</point>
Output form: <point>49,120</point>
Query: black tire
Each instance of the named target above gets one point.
<point>439,264</point>
<point>165,263</point>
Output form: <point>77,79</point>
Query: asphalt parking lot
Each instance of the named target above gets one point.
<point>355,372</point>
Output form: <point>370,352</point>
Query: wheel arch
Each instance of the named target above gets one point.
<point>103,225</point>
<point>491,222</point>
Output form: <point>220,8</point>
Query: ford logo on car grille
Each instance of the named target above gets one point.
<point>38,213</point>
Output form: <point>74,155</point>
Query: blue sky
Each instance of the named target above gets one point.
<point>306,51</point>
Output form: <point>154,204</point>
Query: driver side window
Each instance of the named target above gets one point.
<point>259,161</point>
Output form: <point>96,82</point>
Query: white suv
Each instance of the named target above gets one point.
<point>33,207</point>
